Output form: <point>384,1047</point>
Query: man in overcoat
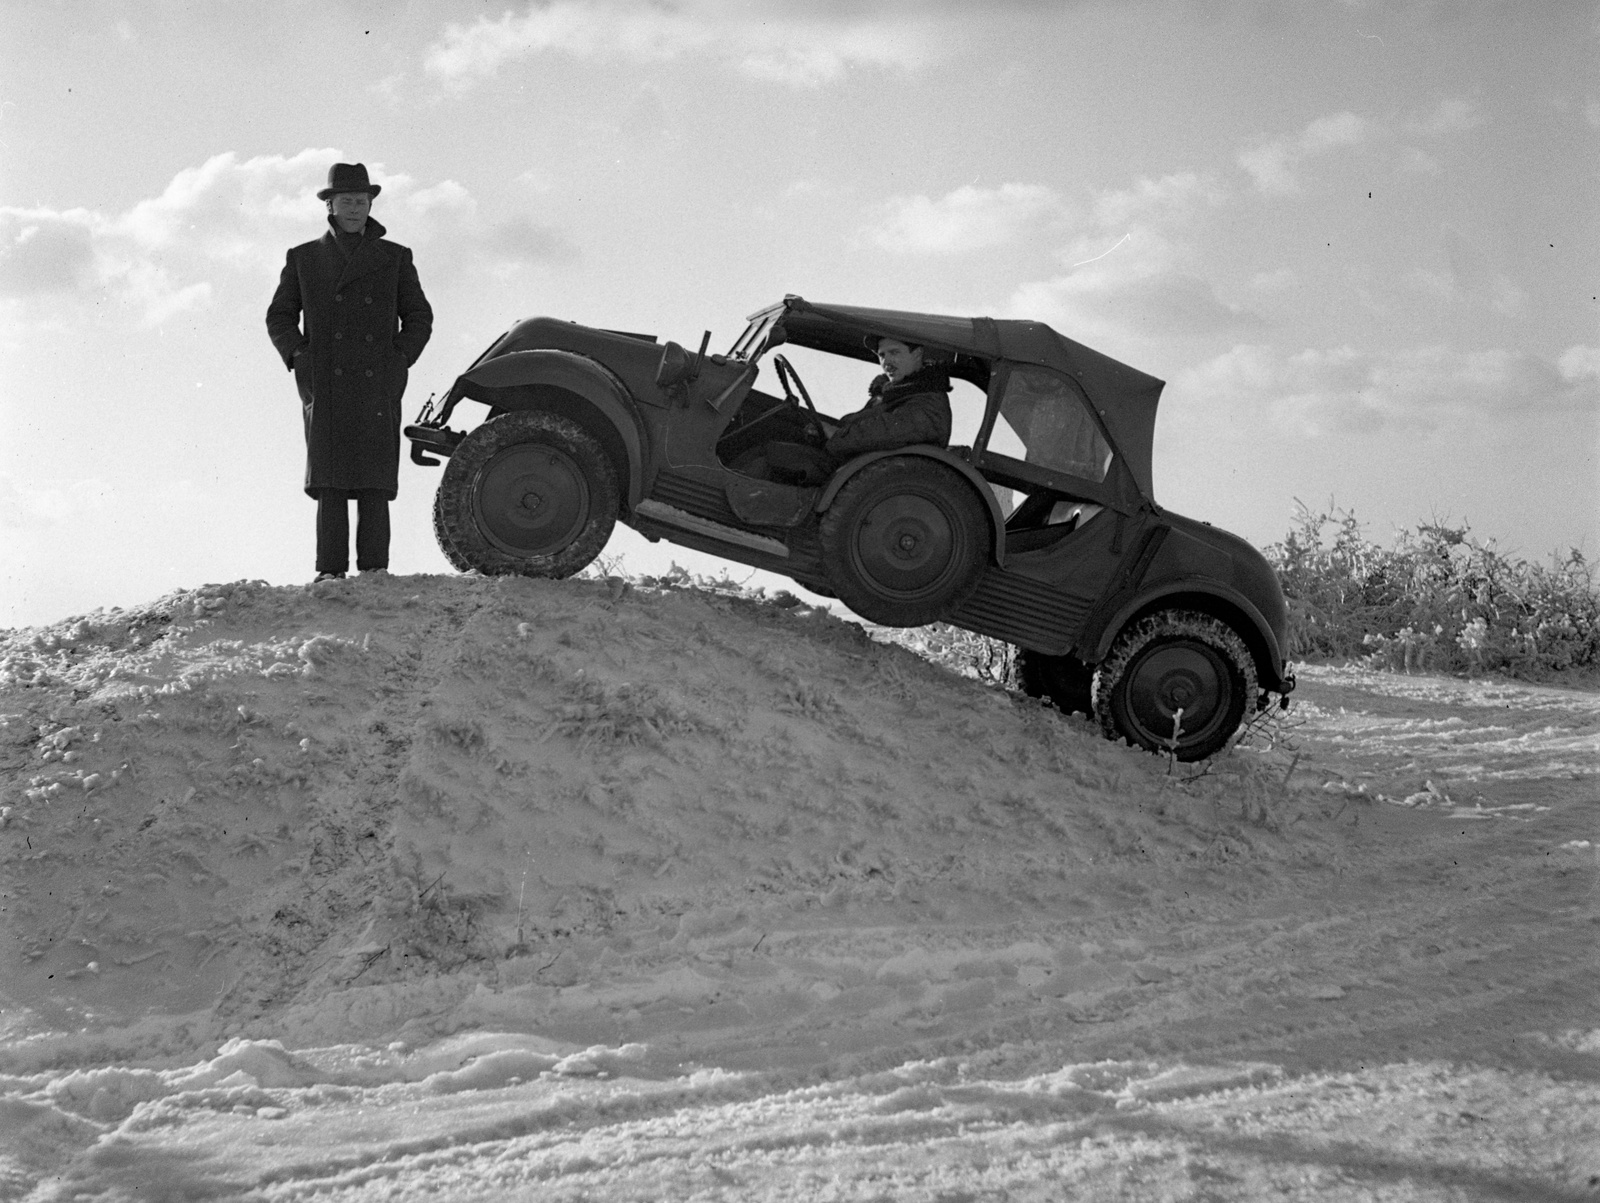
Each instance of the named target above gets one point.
<point>349,319</point>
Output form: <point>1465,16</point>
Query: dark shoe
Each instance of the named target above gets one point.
<point>329,576</point>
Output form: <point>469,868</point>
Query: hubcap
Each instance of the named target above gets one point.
<point>904,545</point>
<point>531,500</point>
<point>1184,684</point>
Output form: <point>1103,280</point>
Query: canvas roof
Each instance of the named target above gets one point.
<point>1125,397</point>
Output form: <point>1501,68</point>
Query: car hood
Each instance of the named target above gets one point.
<point>1125,397</point>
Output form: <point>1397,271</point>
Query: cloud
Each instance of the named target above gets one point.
<point>1321,392</point>
<point>169,253</point>
<point>521,241</point>
<point>1452,115</point>
<point>1579,363</point>
<point>26,509</point>
<point>1474,276</point>
<point>445,224</point>
<point>228,210</point>
<point>1471,278</point>
<point>1131,275</point>
<point>1112,310</point>
<point>1272,164</point>
<point>159,257</point>
<point>966,219</point>
<point>793,43</point>
<point>76,253</point>
<point>1170,200</point>
<point>43,251</point>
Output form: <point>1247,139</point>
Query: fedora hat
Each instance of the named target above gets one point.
<point>348,177</point>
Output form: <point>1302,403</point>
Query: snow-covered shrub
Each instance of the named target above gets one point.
<point>1438,600</point>
<point>992,661</point>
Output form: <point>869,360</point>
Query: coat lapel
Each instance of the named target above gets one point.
<point>368,257</point>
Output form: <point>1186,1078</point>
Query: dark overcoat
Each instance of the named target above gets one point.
<point>365,321</point>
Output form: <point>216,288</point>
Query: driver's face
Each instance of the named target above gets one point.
<point>898,360</point>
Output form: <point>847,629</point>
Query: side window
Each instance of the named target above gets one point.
<point>1054,426</point>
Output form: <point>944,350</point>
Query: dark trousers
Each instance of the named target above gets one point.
<point>800,463</point>
<point>333,529</point>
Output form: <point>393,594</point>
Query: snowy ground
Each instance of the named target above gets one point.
<point>453,888</point>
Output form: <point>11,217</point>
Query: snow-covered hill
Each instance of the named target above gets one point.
<point>443,886</point>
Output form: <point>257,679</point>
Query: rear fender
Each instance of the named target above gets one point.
<point>602,401</point>
<point>1209,597</point>
<point>944,456</point>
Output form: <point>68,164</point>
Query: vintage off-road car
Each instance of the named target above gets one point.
<point>1044,532</point>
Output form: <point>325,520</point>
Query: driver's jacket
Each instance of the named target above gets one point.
<point>916,410</point>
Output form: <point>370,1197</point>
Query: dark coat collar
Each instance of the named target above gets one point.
<point>929,379</point>
<point>373,230</point>
<point>369,255</point>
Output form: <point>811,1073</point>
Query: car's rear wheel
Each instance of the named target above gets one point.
<point>1176,681</point>
<point>529,493</point>
<point>1066,681</point>
<point>905,541</point>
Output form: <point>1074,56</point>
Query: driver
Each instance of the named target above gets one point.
<point>908,403</point>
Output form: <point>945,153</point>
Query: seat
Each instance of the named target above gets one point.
<point>1044,519</point>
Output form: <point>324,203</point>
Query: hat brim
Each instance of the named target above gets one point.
<point>871,341</point>
<point>370,190</point>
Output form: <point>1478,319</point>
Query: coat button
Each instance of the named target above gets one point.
<point>369,338</point>
<point>338,371</point>
<point>338,296</point>
<point>369,371</point>
<point>338,333</point>
<point>369,300</point>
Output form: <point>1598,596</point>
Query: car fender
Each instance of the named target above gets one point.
<point>945,456</point>
<point>1206,595</point>
<point>499,382</point>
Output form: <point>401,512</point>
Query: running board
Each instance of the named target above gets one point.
<point>672,516</point>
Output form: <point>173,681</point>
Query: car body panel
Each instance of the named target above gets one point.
<point>525,379</point>
<point>1041,598</point>
<point>1202,567</point>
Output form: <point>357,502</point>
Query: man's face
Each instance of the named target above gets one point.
<point>897,359</point>
<point>350,210</point>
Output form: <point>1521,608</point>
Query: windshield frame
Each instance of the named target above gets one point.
<point>757,338</point>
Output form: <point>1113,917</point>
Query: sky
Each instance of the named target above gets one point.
<point>1358,240</point>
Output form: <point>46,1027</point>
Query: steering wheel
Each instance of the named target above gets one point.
<point>786,375</point>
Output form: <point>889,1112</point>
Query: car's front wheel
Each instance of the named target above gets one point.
<point>528,493</point>
<point>441,535</point>
<point>1176,681</point>
<point>905,541</point>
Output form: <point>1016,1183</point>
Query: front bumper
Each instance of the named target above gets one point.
<point>438,439</point>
